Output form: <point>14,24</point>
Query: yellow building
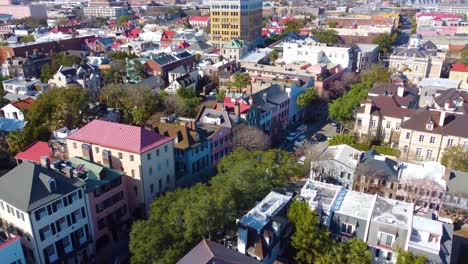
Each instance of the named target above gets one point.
<point>235,19</point>
<point>459,72</point>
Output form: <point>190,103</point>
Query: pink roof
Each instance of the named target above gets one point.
<point>34,152</point>
<point>438,16</point>
<point>229,105</point>
<point>118,136</point>
<point>459,67</point>
<point>9,241</point>
<point>265,32</point>
<point>200,18</point>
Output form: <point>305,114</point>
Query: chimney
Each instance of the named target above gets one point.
<point>401,91</point>
<point>68,171</point>
<point>442,118</point>
<point>368,107</point>
<point>107,158</point>
<point>237,109</point>
<point>45,162</point>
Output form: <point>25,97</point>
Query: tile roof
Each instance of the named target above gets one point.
<point>26,186</point>
<point>199,18</point>
<point>123,137</point>
<point>34,152</point>
<point>209,252</point>
<point>409,95</point>
<point>388,106</point>
<point>454,124</point>
<point>24,104</point>
<point>459,67</point>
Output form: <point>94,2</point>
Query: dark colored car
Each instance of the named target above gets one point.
<point>319,137</point>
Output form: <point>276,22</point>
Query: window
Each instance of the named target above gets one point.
<point>60,224</point>
<point>133,173</point>
<point>148,156</point>
<point>449,142</point>
<point>74,145</point>
<point>347,228</point>
<point>45,233</point>
<point>120,155</point>
<point>50,250</point>
<point>374,123</point>
<point>429,154</point>
<point>408,134</point>
<point>432,140</point>
<point>418,152</point>
<point>150,171</point>
<point>397,126</point>
<point>66,242</point>
<point>405,149</point>
<point>9,209</point>
<point>166,148</point>
<point>388,124</point>
<point>421,138</point>
<point>152,188</point>
<point>96,149</point>
<point>39,213</point>
<point>157,152</point>
<point>389,256</point>
<point>131,158</point>
<point>19,215</point>
<point>385,239</point>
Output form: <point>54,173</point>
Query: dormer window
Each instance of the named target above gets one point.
<point>430,125</point>
<point>52,185</point>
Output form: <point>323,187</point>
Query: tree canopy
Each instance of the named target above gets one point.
<point>341,138</point>
<point>179,219</point>
<point>273,55</point>
<point>293,25</point>
<point>27,38</point>
<point>251,138</point>
<point>58,60</point>
<point>455,158</point>
<point>307,98</point>
<point>407,257</point>
<point>136,102</point>
<point>241,80</point>
<point>385,42</point>
<point>328,36</point>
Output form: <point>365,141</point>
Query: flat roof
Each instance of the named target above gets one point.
<point>261,214</point>
<point>430,170</point>
<point>357,204</point>
<point>392,212</point>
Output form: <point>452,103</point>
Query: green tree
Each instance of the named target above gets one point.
<point>241,80</point>
<point>385,42</point>
<point>376,74</point>
<point>332,24</point>
<point>341,138</point>
<point>273,55</point>
<point>46,73</point>
<point>27,38</point>
<point>310,239</point>
<point>122,20</point>
<point>293,25</point>
<point>328,36</point>
<point>220,95</point>
<point>407,257</point>
<point>464,57</point>
<point>414,25</point>
<point>455,158</point>
<point>4,43</point>
<point>17,141</point>
<point>178,220</point>
<point>307,98</point>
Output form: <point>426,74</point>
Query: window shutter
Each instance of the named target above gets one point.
<point>80,194</point>
<point>37,215</point>
<point>41,234</point>
<point>58,226</point>
<point>49,209</point>
<point>54,207</point>
<point>65,201</point>
<point>68,220</point>
<point>83,213</point>
<point>70,201</point>
<point>52,226</point>
<point>73,218</point>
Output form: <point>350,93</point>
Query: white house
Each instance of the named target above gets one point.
<point>20,86</point>
<point>313,52</point>
<point>179,77</point>
<point>15,110</point>
<point>86,76</point>
<point>48,211</point>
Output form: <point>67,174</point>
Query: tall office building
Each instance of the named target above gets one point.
<point>235,19</point>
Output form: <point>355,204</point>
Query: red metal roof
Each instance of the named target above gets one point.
<point>24,104</point>
<point>118,136</point>
<point>438,16</point>
<point>229,104</point>
<point>200,18</point>
<point>34,152</point>
<point>9,241</point>
<point>459,67</point>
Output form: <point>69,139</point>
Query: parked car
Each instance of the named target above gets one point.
<point>333,123</point>
<point>291,136</point>
<point>319,137</point>
<point>302,129</point>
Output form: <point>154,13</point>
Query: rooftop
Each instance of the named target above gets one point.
<point>262,213</point>
<point>26,186</point>
<point>392,212</point>
<point>209,252</point>
<point>34,152</point>
<point>319,194</point>
<point>344,154</point>
<point>356,204</point>
<point>426,234</point>
<point>439,82</point>
<point>123,137</point>
<point>431,170</point>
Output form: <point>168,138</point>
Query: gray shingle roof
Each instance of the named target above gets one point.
<point>26,186</point>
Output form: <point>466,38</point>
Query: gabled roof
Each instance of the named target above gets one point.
<point>209,252</point>
<point>199,19</point>
<point>123,137</point>
<point>459,67</point>
<point>375,165</point>
<point>454,124</point>
<point>34,152</point>
<point>234,44</point>
<point>26,186</point>
<point>429,45</point>
<point>410,52</point>
<point>184,138</point>
<point>388,106</point>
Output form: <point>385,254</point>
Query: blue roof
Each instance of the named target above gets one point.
<point>7,124</point>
